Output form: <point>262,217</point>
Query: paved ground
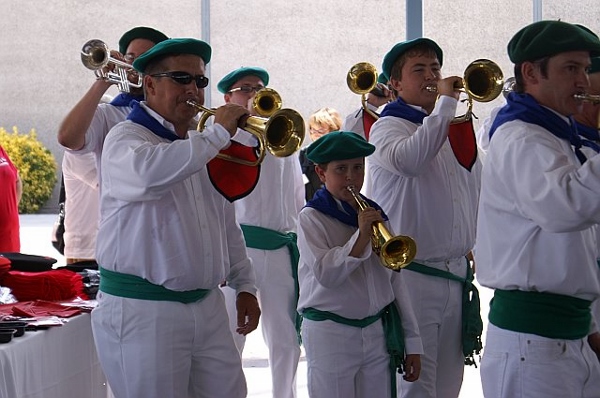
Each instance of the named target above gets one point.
<point>35,239</point>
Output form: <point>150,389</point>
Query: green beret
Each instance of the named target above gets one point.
<point>229,80</point>
<point>175,47</point>
<point>383,78</point>
<point>141,32</point>
<point>595,68</point>
<point>401,48</point>
<point>546,38</point>
<point>338,145</point>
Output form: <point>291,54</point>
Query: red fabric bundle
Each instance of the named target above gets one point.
<point>38,308</point>
<point>4,265</point>
<point>51,285</point>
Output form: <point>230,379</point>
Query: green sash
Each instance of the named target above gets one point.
<point>392,328</point>
<point>472,325</point>
<point>545,314</point>
<point>131,286</point>
<point>268,239</point>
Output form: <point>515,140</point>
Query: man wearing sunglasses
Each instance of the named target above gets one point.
<point>268,218</point>
<point>167,239</point>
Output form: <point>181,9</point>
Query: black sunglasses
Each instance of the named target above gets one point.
<point>184,78</point>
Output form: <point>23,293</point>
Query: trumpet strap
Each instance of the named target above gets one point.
<point>392,328</point>
<point>269,239</point>
<point>472,324</point>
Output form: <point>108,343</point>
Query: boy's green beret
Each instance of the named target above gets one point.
<point>229,80</point>
<point>338,145</point>
<point>547,38</point>
<point>173,46</point>
<point>401,48</point>
<point>140,32</point>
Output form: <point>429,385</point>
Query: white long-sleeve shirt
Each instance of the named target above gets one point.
<point>81,204</point>
<point>353,287</point>
<point>161,218</point>
<point>418,182</point>
<point>105,118</point>
<point>537,215</point>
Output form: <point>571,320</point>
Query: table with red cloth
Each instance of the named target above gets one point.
<point>60,362</point>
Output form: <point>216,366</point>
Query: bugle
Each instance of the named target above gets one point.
<point>281,134</point>
<point>395,252</point>
<point>483,81</point>
<point>509,87</point>
<point>95,55</point>
<point>362,79</point>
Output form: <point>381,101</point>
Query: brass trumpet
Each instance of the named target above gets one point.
<point>510,83</point>
<point>483,81</point>
<point>361,79</point>
<point>95,55</point>
<point>281,134</point>
<point>395,252</point>
<point>594,99</point>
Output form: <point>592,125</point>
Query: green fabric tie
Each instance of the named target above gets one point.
<point>269,239</point>
<point>550,315</point>
<point>392,328</point>
<point>472,325</point>
<point>131,286</point>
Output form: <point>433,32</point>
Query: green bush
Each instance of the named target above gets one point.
<point>36,165</point>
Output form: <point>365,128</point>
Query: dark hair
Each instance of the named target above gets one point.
<point>419,49</point>
<point>541,63</point>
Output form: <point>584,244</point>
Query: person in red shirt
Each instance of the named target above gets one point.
<point>11,189</point>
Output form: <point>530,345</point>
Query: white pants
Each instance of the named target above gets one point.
<point>159,349</point>
<point>437,303</point>
<point>521,365</point>
<point>345,361</point>
<point>276,296</point>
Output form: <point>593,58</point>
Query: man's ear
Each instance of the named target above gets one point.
<point>149,85</point>
<point>531,73</point>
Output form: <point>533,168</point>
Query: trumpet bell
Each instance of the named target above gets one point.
<point>95,54</point>
<point>284,132</point>
<point>362,78</point>
<point>266,102</point>
<point>398,252</point>
<point>483,80</point>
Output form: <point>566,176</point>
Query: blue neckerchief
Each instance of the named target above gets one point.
<point>124,99</point>
<point>140,116</point>
<point>401,109</point>
<point>524,107</point>
<point>325,203</point>
<point>590,135</point>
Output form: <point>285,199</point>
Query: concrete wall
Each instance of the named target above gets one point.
<point>307,46</point>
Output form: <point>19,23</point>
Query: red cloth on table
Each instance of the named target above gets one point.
<point>38,308</point>
<point>54,285</point>
<point>4,265</point>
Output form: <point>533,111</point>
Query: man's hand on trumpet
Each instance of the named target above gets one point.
<point>231,116</point>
